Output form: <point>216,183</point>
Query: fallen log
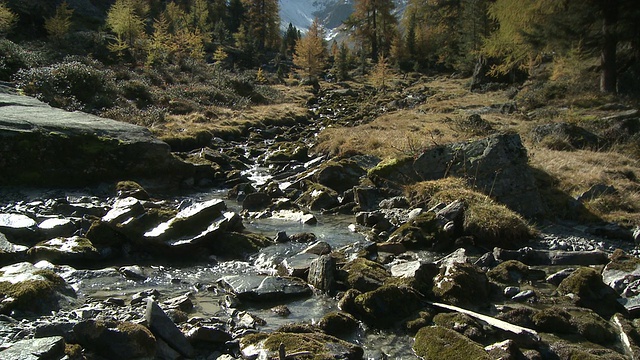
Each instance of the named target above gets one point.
<point>521,334</point>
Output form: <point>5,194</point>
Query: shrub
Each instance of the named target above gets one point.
<point>69,85</point>
<point>13,57</point>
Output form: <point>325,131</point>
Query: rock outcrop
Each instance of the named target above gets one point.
<point>496,165</point>
<point>41,145</point>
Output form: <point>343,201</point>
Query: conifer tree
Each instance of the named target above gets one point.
<point>373,25</point>
<point>311,51</point>
<point>381,74</point>
<point>59,24</point>
<point>263,21</point>
<point>8,19</point>
<point>341,63</point>
<point>161,46</point>
<point>126,19</point>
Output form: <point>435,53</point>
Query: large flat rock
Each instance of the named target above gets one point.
<point>42,145</point>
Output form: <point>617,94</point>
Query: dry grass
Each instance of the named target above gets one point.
<point>563,174</point>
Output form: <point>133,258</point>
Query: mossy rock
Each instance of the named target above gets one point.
<point>339,175</point>
<point>320,346</point>
<point>437,342</point>
<point>388,167</point>
<point>318,197</point>
<point>285,152</point>
<point>462,323</point>
<point>422,319</point>
<point>563,349</point>
<point>514,272</point>
<point>338,323</point>
<point>422,232</point>
<point>591,292</point>
<point>365,275</point>
<point>592,327</point>
<point>71,250</point>
<point>464,285</point>
<point>522,316</point>
<point>387,305</point>
<point>28,289</point>
<point>130,188</point>
<point>553,320</point>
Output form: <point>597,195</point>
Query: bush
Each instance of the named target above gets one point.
<point>13,57</point>
<point>69,85</point>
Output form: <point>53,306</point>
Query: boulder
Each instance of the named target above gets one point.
<point>265,288</point>
<point>339,175</point>
<point>164,328</point>
<point>565,136</point>
<point>42,145</point>
<point>67,251</point>
<point>622,274</point>
<point>437,342</point>
<point>318,197</point>
<point>338,323</point>
<point>322,274</point>
<point>125,189</point>
<point>585,288</point>
<point>26,288</point>
<point>256,201</point>
<point>116,340</point>
<point>19,228</point>
<point>124,210</point>
<point>297,265</point>
<point>497,165</point>
<point>422,232</point>
<point>462,284</point>
<point>513,272</point>
<point>57,227</point>
<point>208,334</point>
<point>10,252</point>
<point>35,349</point>
<point>279,344</point>
<point>387,305</point>
<point>364,275</point>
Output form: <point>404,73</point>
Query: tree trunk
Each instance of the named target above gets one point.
<point>608,72</point>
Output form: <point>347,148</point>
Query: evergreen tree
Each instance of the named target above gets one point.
<point>311,51</point>
<point>291,37</point>
<point>161,46</point>
<point>373,25</point>
<point>236,16</point>
<point>59,24</point>
<point>341,63</point>
<point>263,22</point>
<point>8,19</point>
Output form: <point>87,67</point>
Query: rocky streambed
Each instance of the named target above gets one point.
<point>307,257</point>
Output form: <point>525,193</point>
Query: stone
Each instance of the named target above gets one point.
<point>77,148</point>
<point>256,201</point>
<point>557,277</point>
<point>514,272</point>
<point>386,305</point>
<point>319,248</point>
<point>534,257</point>
<point>20,229</point>
<point>123,210</point>
<point>35,349</point>
<point>71,250</point>
<point>524,295</point>
<point>116,340</point>
<point>338,323</point>
<point>437,342</point>
<point>125,189</point>
<point>565,136</point>
<point>596,191</point>
<point>365,275</point>
<point>265,288</point>
<point>318,197</point>
<point>297,265</point>
<point>462,284</point>
<point>308,219</point>
<point>322,274</point>
<point>505,350</point>
<point>208,334</point>
<point>498,165</point>
<point>11,253</point>
<point>322,346</point>
<point>585,288</point>
<point>57,227</point>
<point>339,175</point>
<point>164,328</point>
<point>182,302</point>
<point>27,288</point>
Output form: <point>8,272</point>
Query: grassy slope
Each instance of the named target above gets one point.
<point>440,120</point>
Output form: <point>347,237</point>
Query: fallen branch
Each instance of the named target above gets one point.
<point>523,333</point>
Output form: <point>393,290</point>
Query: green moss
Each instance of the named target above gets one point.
<point>436,342</point>
<point>387,304</point>
<point>238,245</point>
<point>622,262</point>
<point>508,272</point>
<point>365,275</point>
<point>128,186</point>
<point>25,293</point>
<point>592,327</point>
<point>320,346</point>
<point>141,336</point>
<point>421,232</point>
<point>388,167</point>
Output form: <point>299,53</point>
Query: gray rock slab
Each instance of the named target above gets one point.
<point>35,349</point>
<point>164,328</point>
<point>263,287</point>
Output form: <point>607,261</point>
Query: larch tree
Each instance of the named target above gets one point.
<point>8,19</point>
<point>263,21</point>
<point>373,25</point>
<point>311,51</point>
<point>59,24</point>
<point>126,18</point>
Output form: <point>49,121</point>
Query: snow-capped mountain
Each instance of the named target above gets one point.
<point>331,13</point>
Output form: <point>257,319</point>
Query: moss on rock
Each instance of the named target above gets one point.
<point>365,275</point>
<point>387,305</point>
<point>437,342</point>
<point>318,345</point>
<point>509,272</point>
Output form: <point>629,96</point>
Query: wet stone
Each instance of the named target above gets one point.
<point>263,287</point>
<point>164,328</point>
<point>319,248</point>
<point>35,349</point>
<point>57,227</point>
<point>21,229</point>
<point>297,265</point>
